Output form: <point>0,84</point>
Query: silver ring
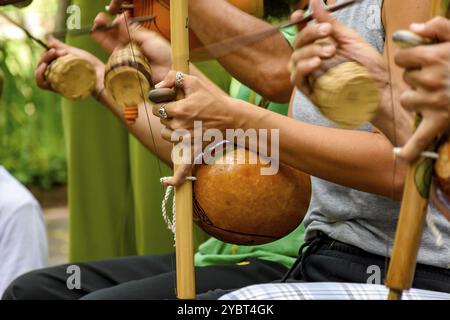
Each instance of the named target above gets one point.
<point>162,112</point>
<point>179,77</point>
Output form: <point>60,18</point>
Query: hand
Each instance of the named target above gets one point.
<point>155,47</point>
<point>329,39</point>
<point>59,49</point>
<point>428,75</point>
<point>115,6</point>
<point>214,110</point>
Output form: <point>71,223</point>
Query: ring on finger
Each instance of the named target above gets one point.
<point>179,78</point>
<point>163,112</point>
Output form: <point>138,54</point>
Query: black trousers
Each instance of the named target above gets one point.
<point>138,278</point>
<point>327,260</point>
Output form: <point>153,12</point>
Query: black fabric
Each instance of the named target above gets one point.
<point>327,260</point>
<point>138,278</point>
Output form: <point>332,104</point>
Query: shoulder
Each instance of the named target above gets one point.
<point>14,195</point>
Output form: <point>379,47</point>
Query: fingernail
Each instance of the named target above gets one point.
<point>417,27</point>
<point>159,85</point>
<point>324,28</point>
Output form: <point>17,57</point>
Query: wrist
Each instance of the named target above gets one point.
<point>244,115</point>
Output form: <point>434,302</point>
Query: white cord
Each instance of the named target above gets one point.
<point>171,222</point>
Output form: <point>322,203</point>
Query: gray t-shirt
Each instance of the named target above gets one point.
<point>361,219</point>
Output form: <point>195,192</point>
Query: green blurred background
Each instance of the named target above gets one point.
<point>31,131</point>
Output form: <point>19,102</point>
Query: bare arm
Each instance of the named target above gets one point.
<point>261,66</point>
<point>355,159</point>
<point>147,128</point>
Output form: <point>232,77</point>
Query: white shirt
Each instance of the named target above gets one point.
<point>23,236</point>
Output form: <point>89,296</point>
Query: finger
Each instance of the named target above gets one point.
<point>166,134</point>
<point>189,85</point>
<point>302,70</point>
<point>320,13</point>
<point>52,42</point>
<point>100,20</point>
<point>312,33</point>
<point>40,76</point>
<point>301,84</point>
<point>48,56</point>
<point>436,28</point>
<point>338,29</point>
<point>115,6</point>
<point>323,51</point>
<point>168,81</point>
<point>180,175</point>
<point>61,52</point>
<point>415,100</point>
<point>431,78</point>
<point>168,107</point>
<point>296,16</point>
<point>167,123</point>
<point>420,56</point>
<point>427,131</point>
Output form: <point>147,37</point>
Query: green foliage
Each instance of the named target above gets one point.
<point>31,133</point>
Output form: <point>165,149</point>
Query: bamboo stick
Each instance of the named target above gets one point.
<point>179,19</point>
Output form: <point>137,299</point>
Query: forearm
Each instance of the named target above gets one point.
<point>146,129</point>
<point>359,160</point>
<point>261,66</point>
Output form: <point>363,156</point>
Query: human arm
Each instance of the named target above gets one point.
<point>260,66</point>
<point>147,127</point>
<point>355,159</point>
<point>310,47</point>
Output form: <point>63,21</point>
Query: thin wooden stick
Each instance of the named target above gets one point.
<point>88,29</point>
<point>179,17</point>
<point>411,222</point>
<point>28,34</point>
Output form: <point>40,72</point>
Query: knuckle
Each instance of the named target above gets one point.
<point>429,80</point>
<point>406,100</point>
